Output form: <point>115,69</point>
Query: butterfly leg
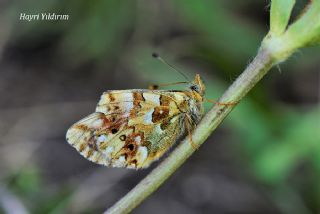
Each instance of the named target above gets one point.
<point>222,104</point>
<point>188,123</point>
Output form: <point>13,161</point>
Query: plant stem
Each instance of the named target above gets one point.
<point>240,87</point>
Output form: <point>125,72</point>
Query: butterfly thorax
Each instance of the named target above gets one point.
<point>195,107</point>
<point>195,103</point>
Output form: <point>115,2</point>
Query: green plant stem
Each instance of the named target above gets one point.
<point>242,85</point>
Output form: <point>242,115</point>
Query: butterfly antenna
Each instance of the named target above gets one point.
<point>155,55</point>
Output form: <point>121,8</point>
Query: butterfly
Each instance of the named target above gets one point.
<point>133,128</point>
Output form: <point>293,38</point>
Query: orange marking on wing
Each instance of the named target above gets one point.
<point>164,100</point>
<point>89,154</point>
<point>81,126</point>
<point>82,147</point>
<point>111,97</point>
<point>137,98</point>
<point>160,113</point>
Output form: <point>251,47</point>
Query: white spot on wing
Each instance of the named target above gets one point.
<point>173,120</point>
<point>120,162</point>
<point>158,129</point>
<point>155,98</point>
<point>129,101</point>
<point>148,117</point>
<point>107,155</point>
<point>142,154</point>
<point>104,99</point>
<point>108,151</point>
<point>132,166</point>
<point>102,138</point>
<point>122,159</point>
<point>97,123</point>
<point>137,140</point>
<point>102,104</point>
<point>102,108</point>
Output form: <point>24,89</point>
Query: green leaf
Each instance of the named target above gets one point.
<point>280,15</point>
<point>306,30</point>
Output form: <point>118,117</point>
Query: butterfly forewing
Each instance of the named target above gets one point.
<point>132,128</point>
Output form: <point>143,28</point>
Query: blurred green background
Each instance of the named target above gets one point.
<point>264,158</point>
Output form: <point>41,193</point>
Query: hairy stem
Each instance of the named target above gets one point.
<point>240,87</point>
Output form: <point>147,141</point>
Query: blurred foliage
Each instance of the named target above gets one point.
<point>27,184</point>
<point>27,181</point>
<point>277,140</point>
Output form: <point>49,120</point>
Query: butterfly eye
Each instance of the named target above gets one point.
<point>113,131</point>
<point>194,88</point>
